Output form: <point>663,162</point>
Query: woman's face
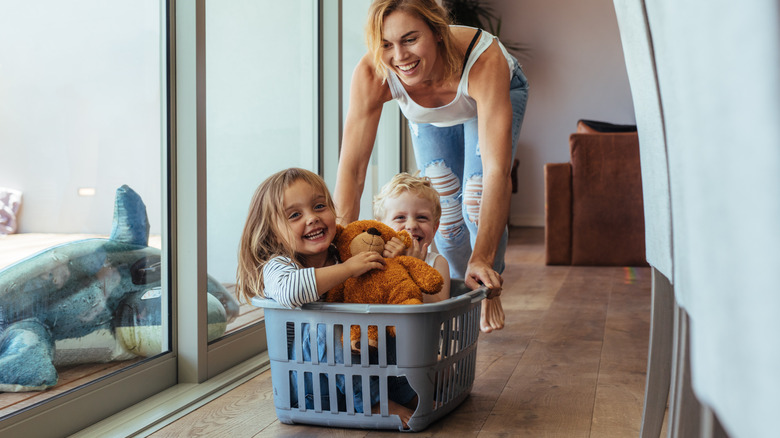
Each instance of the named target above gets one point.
<point>409,47</point>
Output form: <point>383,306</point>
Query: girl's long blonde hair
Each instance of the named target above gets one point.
<point>262,239</point>
<point>436,17</point>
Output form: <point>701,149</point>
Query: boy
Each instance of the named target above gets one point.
<point>411,203</point>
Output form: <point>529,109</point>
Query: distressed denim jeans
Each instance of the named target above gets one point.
<point>450,156</point>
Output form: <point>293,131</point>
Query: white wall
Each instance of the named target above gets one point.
<point>575,70</point>
<point>79,107</point>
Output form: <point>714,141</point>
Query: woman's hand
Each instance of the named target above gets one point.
<point>492,315</point>
<point>482,274</point>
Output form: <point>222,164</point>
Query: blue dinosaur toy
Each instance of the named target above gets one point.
<point>93,300</point>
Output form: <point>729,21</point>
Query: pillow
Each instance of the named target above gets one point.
<point>10,201</point>
<point>594,127</point>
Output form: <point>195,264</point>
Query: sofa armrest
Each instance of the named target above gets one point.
<point>557,213</point>
<point>607,209</point>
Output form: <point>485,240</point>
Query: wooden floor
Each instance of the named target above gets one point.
<point>569,363</point>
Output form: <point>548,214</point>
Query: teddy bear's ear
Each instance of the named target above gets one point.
<point>406,238</point>
<point>339,230</point>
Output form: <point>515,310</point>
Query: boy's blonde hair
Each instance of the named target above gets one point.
<point>436,17</point>
<point>262,239</point>
<point>404,182</point>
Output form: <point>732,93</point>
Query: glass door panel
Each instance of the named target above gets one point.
<point>386,157</point>
<point>82,125</point>
<point>261,69</point>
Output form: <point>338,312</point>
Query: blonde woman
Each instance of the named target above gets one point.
<point>465,98</point>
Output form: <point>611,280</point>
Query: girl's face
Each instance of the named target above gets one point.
<point>412,213</point>
<point>312,225</point>
<point>409,47</point>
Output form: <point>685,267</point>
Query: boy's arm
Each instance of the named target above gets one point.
<point>441,265</point>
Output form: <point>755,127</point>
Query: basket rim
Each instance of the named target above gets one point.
<point>473,296</point>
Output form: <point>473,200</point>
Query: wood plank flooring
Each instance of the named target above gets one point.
<point>569,363</point>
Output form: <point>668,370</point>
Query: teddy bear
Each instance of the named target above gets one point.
<point>404,281</point>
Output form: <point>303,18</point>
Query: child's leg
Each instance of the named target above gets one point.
<point>305,335</point>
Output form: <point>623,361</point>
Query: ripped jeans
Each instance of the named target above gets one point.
<point>450,156</point>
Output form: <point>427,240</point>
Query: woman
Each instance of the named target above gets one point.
<point>456,85</point>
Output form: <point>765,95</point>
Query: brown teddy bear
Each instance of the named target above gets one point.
<point>404,281</point>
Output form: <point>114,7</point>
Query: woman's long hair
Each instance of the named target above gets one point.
<point>262,239</point>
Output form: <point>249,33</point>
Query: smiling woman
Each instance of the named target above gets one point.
<point>465,98</point>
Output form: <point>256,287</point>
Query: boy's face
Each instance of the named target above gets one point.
<point>412,213</point>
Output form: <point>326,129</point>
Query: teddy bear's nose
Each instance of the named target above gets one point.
<point>373,231</point>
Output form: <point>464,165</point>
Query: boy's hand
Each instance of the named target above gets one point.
<point>363,262</point>
<point>417,250</point>
<point>394,247</point>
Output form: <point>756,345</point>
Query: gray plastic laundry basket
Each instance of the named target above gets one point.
<point>436,350</point>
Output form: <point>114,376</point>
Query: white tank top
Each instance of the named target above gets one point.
<point>463,107</point>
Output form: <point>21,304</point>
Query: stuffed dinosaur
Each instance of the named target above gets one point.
<point>403,281</point>
<point>93,300</point>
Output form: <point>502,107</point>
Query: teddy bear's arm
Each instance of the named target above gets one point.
<point>424,275</point>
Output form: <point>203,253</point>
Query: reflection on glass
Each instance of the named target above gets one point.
<point>81,129</point>
<point>261,105</point>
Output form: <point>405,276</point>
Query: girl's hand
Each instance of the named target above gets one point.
<point>394,247</point>
<point>363,262</point>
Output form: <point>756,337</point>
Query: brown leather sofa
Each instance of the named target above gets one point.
<point>593,204</point>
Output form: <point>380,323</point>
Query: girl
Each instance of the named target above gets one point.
<point>285,250</point>
<point>285,254</point>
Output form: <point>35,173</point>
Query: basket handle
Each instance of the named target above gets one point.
<point>478,294</point>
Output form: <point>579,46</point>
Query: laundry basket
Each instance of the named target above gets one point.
<point>435,349</point>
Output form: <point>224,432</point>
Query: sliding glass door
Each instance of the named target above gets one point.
<point>261,112</point>
<point>133,134</point>
<point>83,143</point>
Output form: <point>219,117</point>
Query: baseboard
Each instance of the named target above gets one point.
<point>526,220</point>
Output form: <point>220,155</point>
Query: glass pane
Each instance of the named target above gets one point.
<point>261,74</point>
<point>81,135</point>
<point>385,159</point>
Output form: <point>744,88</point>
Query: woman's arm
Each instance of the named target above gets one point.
<point>366,96</point>
<point>489,86</point>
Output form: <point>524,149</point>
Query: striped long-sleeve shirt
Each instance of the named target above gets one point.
<point>288,284</point>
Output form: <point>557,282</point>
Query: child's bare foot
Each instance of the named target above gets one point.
<point>492,317</point>
<point>394,408</point>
